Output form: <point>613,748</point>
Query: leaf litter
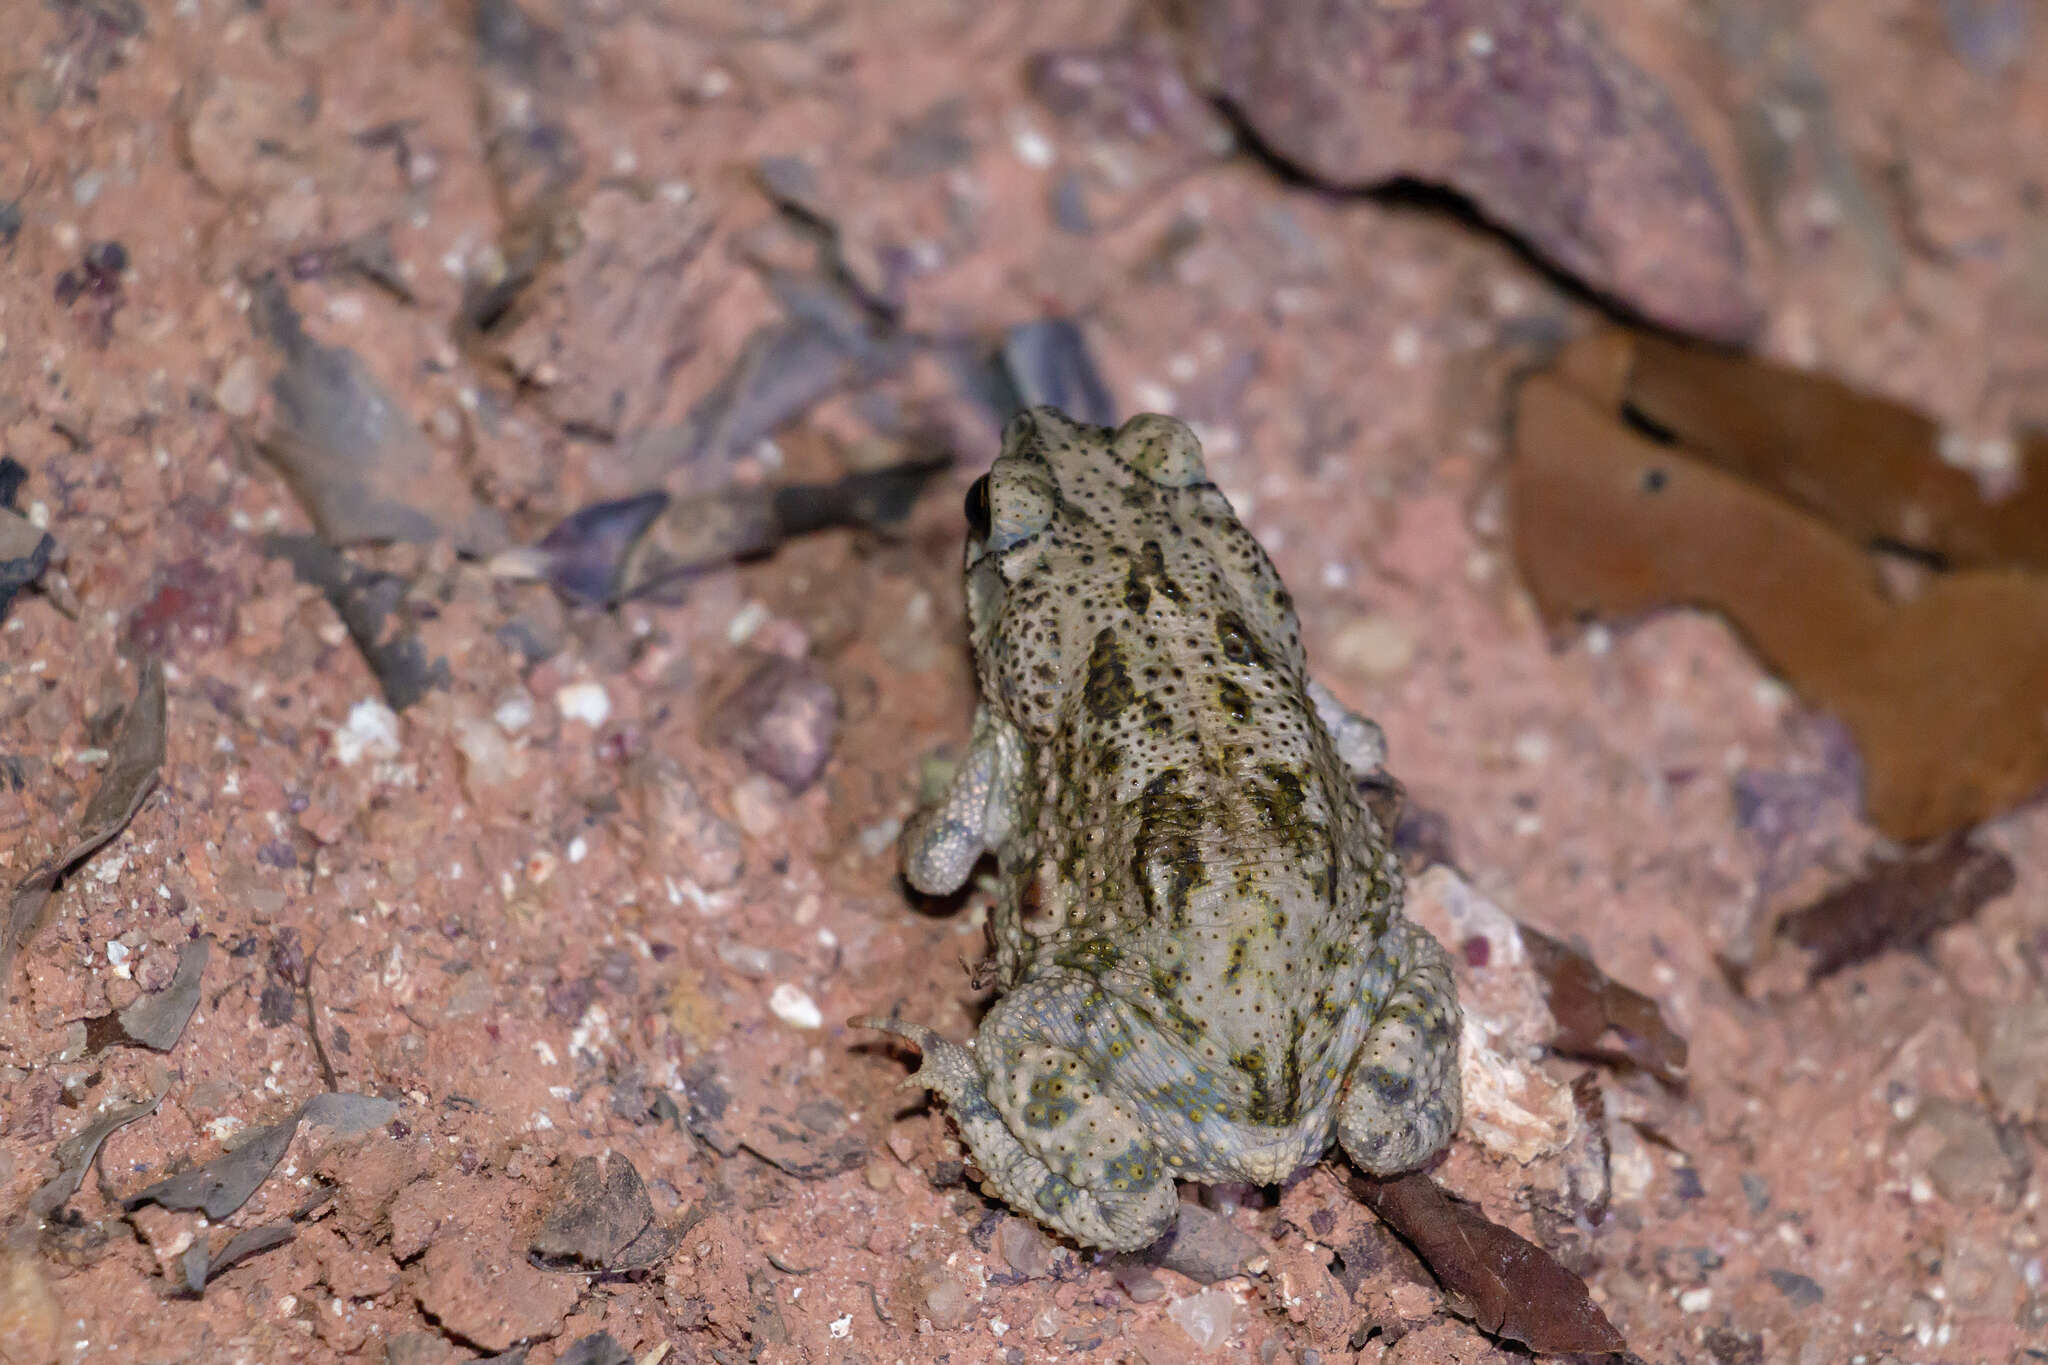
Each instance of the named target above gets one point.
<point>1750,496</point>
<point>224,1184</point>
<point>1505,1284</point>
<point>613,551</point>
<point>358,463</point>
<point>1897,904</point>
<point>1589,1005</point>
<point>76,1154</point>
<point>155,1021</point>
<point>25,548</point>
<point>602,1220</point>
<point>134,762</point>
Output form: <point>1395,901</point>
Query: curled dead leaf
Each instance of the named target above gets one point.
<point>1507,1285</point>
<point>1944,689</point>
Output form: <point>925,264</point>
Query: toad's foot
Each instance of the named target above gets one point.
<point>1401,1101</point>
<point>1070,1156</point>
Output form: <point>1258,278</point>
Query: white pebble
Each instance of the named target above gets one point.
<point>746,622</point>
<point>585,701</point>
<point>240,387</point>
<point>1531,748</point>
<point>515,711</point>
<point>372,729</point>
<point>1030,145</point>
<point>792,1006</point>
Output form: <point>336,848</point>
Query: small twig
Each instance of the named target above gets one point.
<point>313,1026</point>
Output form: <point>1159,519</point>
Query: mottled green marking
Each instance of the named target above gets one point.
<point>1108,689</point>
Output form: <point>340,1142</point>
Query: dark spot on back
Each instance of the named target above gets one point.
<point>1108,689</point>
<point>1239,645</point>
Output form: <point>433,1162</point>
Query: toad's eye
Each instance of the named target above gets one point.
<point>977,508</point>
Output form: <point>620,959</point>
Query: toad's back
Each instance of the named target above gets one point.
<point>1204,970</point>
<point>1198,846</point>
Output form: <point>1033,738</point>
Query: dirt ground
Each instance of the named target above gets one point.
<point>593,893</point>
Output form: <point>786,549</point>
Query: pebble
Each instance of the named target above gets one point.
<point>946,1304</point>
<point>783,720</point>
<point>371,730</point>
<point>793,1006</point>
<point>487,760</point>
<point>1209,1318</point>
<point>879,838</point>
<point>2013,1060</point>
<point>684,834</point>
<point>585,701</point>
<point>757,806</point>
<point>1024,1248</point>
<point>514,712</point>
<point>1968,1162</point>
<point>1141,1284</point>
<point>750,960</point>
<point>1208,1246</point>
<point>239,387</point>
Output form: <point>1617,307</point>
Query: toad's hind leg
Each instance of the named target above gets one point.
<point>1401,1101</point>
<point>1053,1143</point>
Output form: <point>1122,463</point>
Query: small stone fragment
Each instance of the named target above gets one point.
<point>1206,1246</point>
<point>29,1317</point>
<point>371,731</point>
<point>488,761</point>
<point>1964,1155</point>
<point>585,701</point>
<point>947,1304</point>
<point>1209,1318</point>
<point>602,1219</point>
<point>684,836</point>
<point>2013,1060</point>
<point>1140,1283</point>
<point>1024,1248</point>
<point>792,1006</point>
<point>783,720</point>
<point>1797,1288</point>
<point>1379,646</point>
<point>240,387</point>
<point>1522,106</point>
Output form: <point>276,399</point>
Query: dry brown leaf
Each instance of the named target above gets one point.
<point>1943,691</point>
<point>1587,1004</point>
<point>1897,903</point>
<point>1869,467</point>
<point>1507,1285</point>
<point>131,774</point>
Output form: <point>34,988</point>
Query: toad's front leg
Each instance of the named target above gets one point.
<point>1053,1139</point>
<point>944,841</point>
